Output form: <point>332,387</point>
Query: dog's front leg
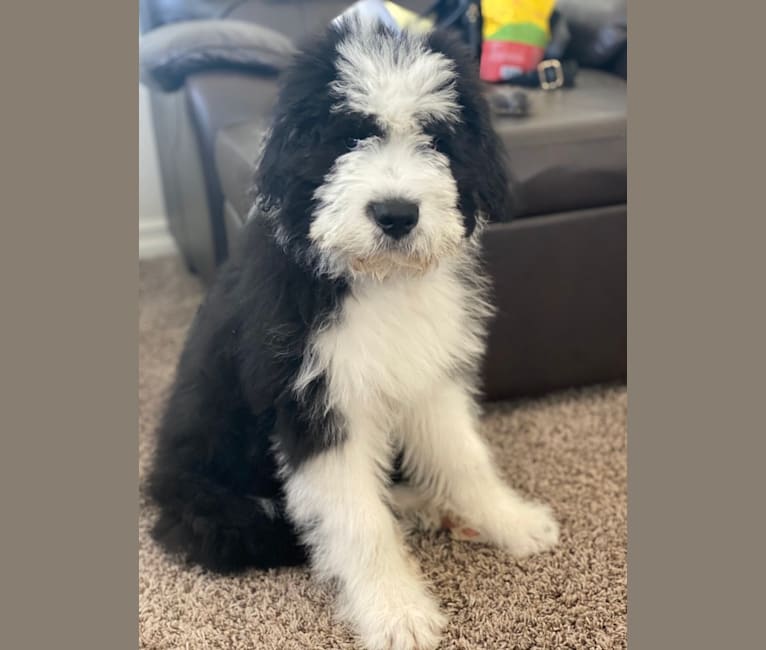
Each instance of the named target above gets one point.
<point>338,498</point>
<point>446,457</point>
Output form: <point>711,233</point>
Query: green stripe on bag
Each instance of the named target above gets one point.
<point>528,33</point>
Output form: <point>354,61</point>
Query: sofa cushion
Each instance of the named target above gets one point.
<point>569,154</point>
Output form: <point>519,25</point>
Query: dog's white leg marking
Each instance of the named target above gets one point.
<point>444,452</point>
<point>339,498</point>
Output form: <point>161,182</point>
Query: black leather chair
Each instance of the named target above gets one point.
<point>559,269</point>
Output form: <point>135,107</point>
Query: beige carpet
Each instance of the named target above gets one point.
<point>568,449</point>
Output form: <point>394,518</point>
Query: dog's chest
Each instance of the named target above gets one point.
<point>394,340</point>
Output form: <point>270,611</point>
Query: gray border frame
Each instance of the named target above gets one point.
<point>69,407</point>
<point>696,324</point>
<point>695,330</point>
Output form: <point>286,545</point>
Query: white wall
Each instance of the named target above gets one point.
<point>153,235</point>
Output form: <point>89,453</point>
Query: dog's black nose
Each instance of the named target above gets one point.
<point>396,217</point>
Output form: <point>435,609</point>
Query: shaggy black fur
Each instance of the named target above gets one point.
<point>477,156</point>
<point>232,399</point>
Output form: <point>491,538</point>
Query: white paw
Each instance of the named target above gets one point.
<point>528,528</point>
<point>404,620</point>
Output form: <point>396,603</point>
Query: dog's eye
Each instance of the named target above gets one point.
<point>350,143</point>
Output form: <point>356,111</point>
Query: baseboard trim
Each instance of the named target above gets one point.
<point>154,239</point>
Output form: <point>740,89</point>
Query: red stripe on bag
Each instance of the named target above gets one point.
<point>501,60</point>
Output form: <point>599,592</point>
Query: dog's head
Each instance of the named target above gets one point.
<point>381,157</point>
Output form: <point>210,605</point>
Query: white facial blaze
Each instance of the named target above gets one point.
<point>401,167</point>
<point>398,80</point>
<point>402,85</point>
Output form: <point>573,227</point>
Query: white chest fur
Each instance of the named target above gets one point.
<point>395,339</point>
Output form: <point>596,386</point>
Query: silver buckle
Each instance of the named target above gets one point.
<point>542,69</point>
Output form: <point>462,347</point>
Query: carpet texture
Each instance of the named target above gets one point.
<point>567,449</point>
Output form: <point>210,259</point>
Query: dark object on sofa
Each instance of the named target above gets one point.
<point>559,269</point>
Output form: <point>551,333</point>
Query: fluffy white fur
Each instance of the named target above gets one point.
<point>403,86</point>
<point>400,82</point>
<point>392,378</point>
<point>404,165</point>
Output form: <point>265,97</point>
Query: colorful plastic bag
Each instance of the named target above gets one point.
<point>516,33</point>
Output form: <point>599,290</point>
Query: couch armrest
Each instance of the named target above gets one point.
<point>170,53</point>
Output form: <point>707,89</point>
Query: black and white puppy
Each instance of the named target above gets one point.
<point>344,338</point>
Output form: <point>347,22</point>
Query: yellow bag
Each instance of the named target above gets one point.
<point>515,35</point>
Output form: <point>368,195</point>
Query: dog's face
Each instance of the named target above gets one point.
<point>382,158</point>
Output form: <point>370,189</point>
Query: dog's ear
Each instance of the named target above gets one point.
<point>284,160</point>
<point>481,150</point>
<point>494,186</point>
<point>270,179</point>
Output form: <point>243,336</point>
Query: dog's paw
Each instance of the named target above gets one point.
<point>400,621</point>
<point>528,528</point>
<point>407,629</point>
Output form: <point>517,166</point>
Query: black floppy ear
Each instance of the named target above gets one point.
<point>495,190</point>
<point>493,184</point>
<point>481,151</point>
<point>270,185</point>
<point>303,99</point>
